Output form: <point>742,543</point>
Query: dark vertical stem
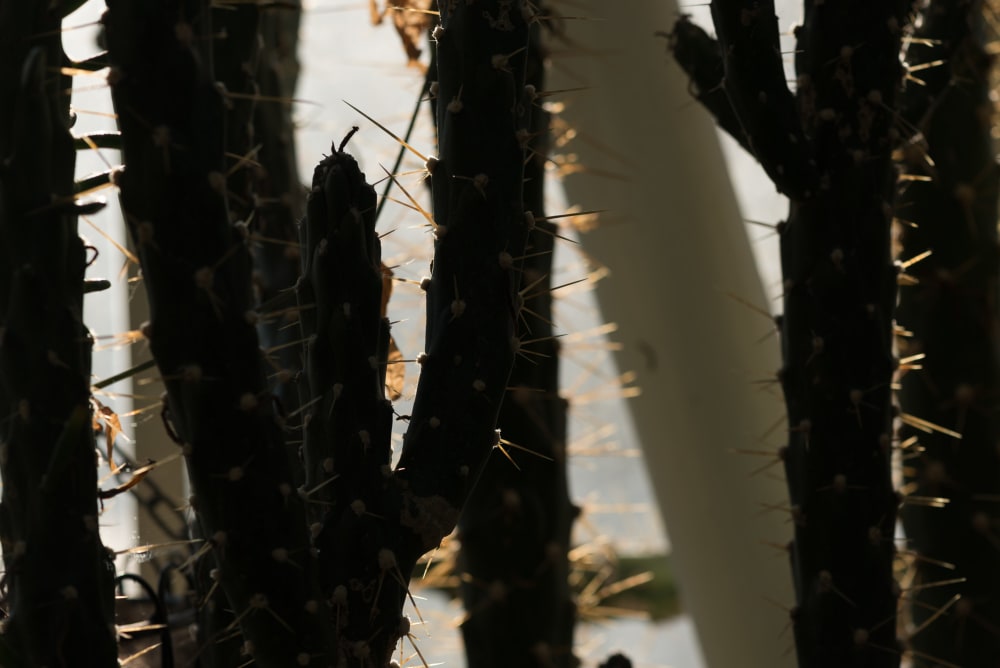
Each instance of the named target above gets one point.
<point>370,523</point>
<point>515,529</point>
<point>829,150</point>
<point>951,314</point>
<point>234,53</point>
<point>59,578</point>
<point>840,289</point>
<point>472,298</point>
<point>348,422</point>
<point>196,270</point>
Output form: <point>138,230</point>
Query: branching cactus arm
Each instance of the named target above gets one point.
<point>755,85</point>
<point>838,302</point>
<point>699,55</point>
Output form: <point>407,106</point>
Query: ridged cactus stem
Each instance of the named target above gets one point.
<point>371,523</point>
<point>949,308</point>
<point>515,528</point>
<point>59,578</point>
<point>473,302</point>
<point>829,149</point>
<point>196,271</point>
<point>234,52</point>
<point>353,506</point>
<point>323,573</point>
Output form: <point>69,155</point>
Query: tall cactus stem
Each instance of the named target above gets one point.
<point>196,270</point>
<point>515,529</point>
<point>837,136</point>
<point>58,577</point>
<point>473,303</point>
<point>948,306</point>
<point>352,503</point>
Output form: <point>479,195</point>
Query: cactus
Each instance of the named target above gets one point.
<point>373,523</point>
<point>314,563</point>
<point>346,449</point>
<point>323,572</point>
<point>828,148</point>
<point>196,270</point>
<point>949,306</point>
<point>59,578</point>
<point>481,226</point>
<point>515,529</point>
<point>234,53</point>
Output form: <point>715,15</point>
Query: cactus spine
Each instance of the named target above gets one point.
<point>58,575</point>
<point>949,309</point>
<point>828,149</point>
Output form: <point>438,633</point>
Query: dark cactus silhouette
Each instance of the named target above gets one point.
<point>828,148</point>
<point>58,576</point>
<point>948,309</point>
<point>307,534</point>
<point>515,530</point>
<point>321,570</point>
<point>196,271</point>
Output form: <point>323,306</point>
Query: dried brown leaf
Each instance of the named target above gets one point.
<point>412,19</point>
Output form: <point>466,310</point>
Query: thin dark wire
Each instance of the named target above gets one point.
<point>159,616</point>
